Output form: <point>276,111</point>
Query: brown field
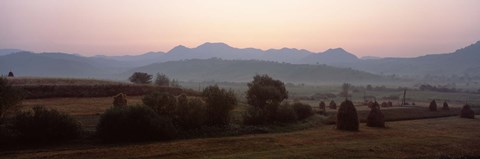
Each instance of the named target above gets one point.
<point>428,138</point>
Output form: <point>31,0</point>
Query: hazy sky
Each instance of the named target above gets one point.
<point>117,27</point>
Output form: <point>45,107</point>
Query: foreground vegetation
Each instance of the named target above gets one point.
<point>429,138</point>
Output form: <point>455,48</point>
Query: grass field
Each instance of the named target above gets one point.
<point>428,138</point>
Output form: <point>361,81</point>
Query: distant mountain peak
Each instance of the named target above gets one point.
<point>214,45</point>
<point>336,50</point>
<point>179,48</point>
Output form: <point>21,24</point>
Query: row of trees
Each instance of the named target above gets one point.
<point>160,79</point>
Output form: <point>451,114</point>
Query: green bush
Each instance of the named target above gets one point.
<point>302,110</point>
<point>45,125</point>
<point>190,113</point>
<point>219,104</point>
<point>286,114</point>
<point>162,103</point>
<point>134,123</point>
<point>254,116</point>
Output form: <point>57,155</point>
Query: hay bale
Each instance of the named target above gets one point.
<point>445,106</point>
<point>433,106</point>
<point>322,106</point>
<point>467,112</point>
<point>389,104</point>
<point>332,105</point>
<point>375,117</point>
<point>120,100</point>
<point>347,118</point>
<point>384,104</point>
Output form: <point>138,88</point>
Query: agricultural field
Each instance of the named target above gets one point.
<point>411,131</point>
<point>449,137</point>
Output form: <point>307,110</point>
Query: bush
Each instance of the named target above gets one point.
<point>375,117</point>
<point>162,80</point>
<point>347,118</point>
<point>445,106</point>
<point>433,106</point>
<point>384,104</point>
<point>134,123</point>
<point>254,116</point>
<point>219,103</point>
<point>286,114</point>
<point>190,113</point>
<point>120,100</point>
<point>322,107</point>
<point>302,111</point>
<point>162,103</point>
<point>10,98</point>
<point>332,105</point>
<point>467,112</point>
<point>45,125</point>
<point>140,78</point>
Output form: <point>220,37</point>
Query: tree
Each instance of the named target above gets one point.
<point>190,113</point>
<point>345,88</point>
<point>162,103</point>
<point>219,103</point>
<point>264,90</point>
<point>10,98</point>
<point>162,80</point>
<point>140,78</point>
<point>266,94</point>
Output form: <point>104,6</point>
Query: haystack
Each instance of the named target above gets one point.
<point>467,112</point>
<point>433,106</point>
<point>332,105</point>
<point>375,117</point>
<point>120,100</point>
<point>347,118</point>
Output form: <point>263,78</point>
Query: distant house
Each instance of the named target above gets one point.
<point>10,74</point>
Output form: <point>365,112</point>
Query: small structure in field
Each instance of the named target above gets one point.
<point>120,100</point>
<point>467,112</point>
<point>445,106</point>
<point>10,74</point>
<point>384,104</point>
<point>433,106</point>
<point>389,104</point>
<point>332,105</point>
<point>322,107</point>
<point>347,118</point>
<point>375,117</point>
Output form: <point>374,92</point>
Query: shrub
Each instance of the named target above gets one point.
<point>120,100</point>
<point>254,116</point>
<point>433,106</point>
<point>347,118</point>
<point>445,106</point>
<point>219,103</point>
<point>384,104</point>
<point>302,111</point>
<point>45,125</point>
<point>332,105</point>
<point>322,107</point>
<point>162,80</point>
<point>375,117</point>
<point>389,104</point>
<point>162,103</point>
<point>264,90</point>
<point>134,123</point>
<point>190,113</point>
<point>467,112</point>
<point>140,78</point>
<point>286,114</point>
<point>10,98</point>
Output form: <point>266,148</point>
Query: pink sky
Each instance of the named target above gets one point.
<point>117,27</point>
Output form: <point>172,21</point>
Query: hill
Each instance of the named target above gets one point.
<point>243,70</point>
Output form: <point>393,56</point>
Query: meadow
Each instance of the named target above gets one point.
<point>412,131</point>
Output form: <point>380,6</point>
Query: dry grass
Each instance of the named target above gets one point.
<point>430,138</point>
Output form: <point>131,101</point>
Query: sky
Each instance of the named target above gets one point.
<point>384,28</point>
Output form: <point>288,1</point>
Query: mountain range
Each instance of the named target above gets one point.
<point>205,60</point>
